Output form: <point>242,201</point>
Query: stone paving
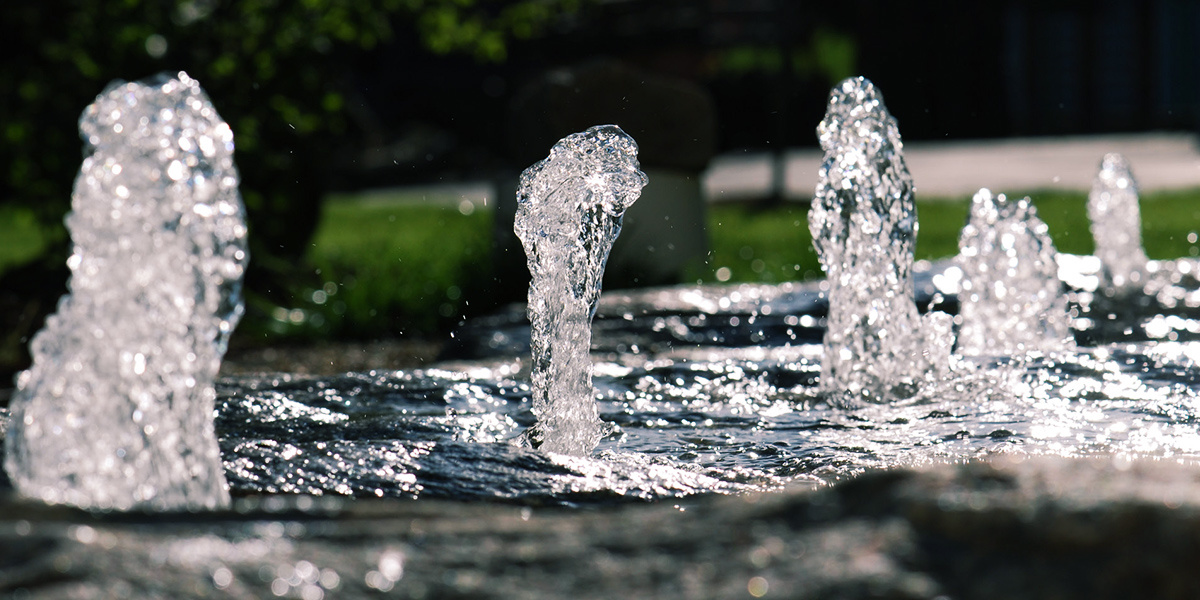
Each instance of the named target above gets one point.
<point>957,169</point>
<point>944,170</point>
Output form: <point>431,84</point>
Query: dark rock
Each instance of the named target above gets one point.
<point>674,124</point>
<point>673,120</point>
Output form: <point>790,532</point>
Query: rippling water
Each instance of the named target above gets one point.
<point>702,395</point>
<point>723,420</point>
<point>703,389</point>
<point>714,389</point>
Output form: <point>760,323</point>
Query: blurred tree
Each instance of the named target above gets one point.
<point>482,29</point>
<point>275,69</point>
<point>272,67</point>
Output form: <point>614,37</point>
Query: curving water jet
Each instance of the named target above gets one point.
<point>1117,227</point>
<point>864,226</point>
<point>569,211</point>
<point>1012,301</point>
<point>117,409</point>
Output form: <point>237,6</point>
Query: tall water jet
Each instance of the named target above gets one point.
<point>1012,301</point>
<point>117,409</point>
<point>1117,227</point>
<point>864,225</point>
<point>569,210</point>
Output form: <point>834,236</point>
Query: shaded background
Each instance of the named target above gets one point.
<point>341,96</point>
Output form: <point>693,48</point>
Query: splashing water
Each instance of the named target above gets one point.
<point>864,227</point>
<point>117,409</point>
<point>1012,301</point>
<point>1117,227</point>
<point>569,210</point>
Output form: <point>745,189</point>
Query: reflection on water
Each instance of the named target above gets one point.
<point>715,389</point>
<point>703,390</point>
<point>698,421</point>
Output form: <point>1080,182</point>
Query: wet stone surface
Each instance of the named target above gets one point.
<point>1046,528</point>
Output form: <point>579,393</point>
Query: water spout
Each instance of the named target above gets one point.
<point>1117,227</point>
<point>1012,301</point>
<point>864,226</point>
<point>569,210</point>
<point>117,409</point>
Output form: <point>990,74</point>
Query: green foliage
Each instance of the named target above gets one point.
<point>274,68</point>
<point>1172,228</point>
<point>270,67</point>
<point>480,28</point>
<point>277,71</point>
<point>831,54</point>
<point>1065,214</point>
<point>21,239</point>
<point>939,223</point>
<point>829,57</point>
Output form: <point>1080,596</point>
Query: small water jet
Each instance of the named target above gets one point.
<point>1117,227</point>
<point>1012,301</point>
<point>569,209</point>
<point>864,227</point>
<point>117,409</point>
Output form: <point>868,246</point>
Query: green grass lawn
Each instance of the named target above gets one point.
<point>418,264</point>
<point>390,268</point>
<point>770,244</point>
<point>773,244</point>
<point>381,267</point>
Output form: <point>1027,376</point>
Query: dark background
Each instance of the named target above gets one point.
<point>328,95</point>
<point>949,70</point>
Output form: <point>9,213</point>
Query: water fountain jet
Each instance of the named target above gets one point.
<point>117,409</point>
<point>569,209</point>
<point>864,227</point>
<point>1117,227</point>
<point>1012,301</point>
